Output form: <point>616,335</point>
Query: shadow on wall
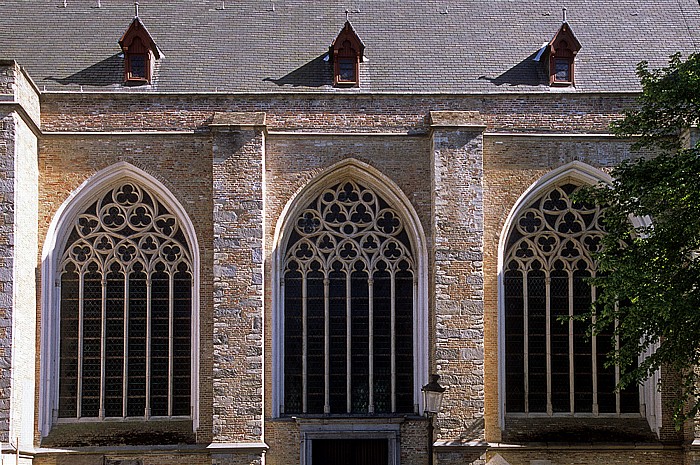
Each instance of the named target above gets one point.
<point>526,73</point>
<point>316,73</point>
<point>107,72</point>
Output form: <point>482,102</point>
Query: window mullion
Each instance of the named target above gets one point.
<point>526,332</point>
<point>326,346</point>
<point>125,367</point>
<point>304,349</point>
<point>618,393</point>
<point>147,412</point>
<point>348,340</point>
<point>282,345</point>
<point>103,343</point>
<point>370,341</point>
<point>594,361</point>
<point>548,338</point>
<point>81,296</point>
<point>171,318</point>
<point>571,342</point>
<point>393,341</point>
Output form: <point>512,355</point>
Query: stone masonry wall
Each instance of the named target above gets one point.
<point>235,181</point>
<point>24,284</point>
<point>291,163</point>
<point>511,166</point>
<point>457,279</point>
<point>7,239</point>
<point>18,246</point>
<point>183,165</point>
<point>238,284</point>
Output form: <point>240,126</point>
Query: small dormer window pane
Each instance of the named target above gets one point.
<point>138,66</point>
<point>346,70</point>
<point>562,70</point>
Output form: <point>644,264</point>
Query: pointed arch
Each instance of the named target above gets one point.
<point>357,173</point>
<point>558,183</point>
<point>91,192</point>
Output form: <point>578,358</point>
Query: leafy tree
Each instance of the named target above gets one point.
<point>649,280</point>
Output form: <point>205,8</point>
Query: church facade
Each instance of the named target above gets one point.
<point>248,232</point>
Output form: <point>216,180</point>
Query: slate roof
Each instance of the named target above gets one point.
<point>444,46</point>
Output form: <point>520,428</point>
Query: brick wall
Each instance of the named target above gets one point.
<point>379,113</point>
<point>184,166</point>
<point>234,181</point>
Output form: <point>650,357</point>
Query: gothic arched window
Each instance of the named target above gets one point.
<point>349,296</point>
<point>552,366</point>
<point>126,293</point>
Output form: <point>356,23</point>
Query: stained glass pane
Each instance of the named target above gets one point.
<point>382,341</point>
<point>338,342</point>
<point>92,344</point>
<point>182,311</point>
<point>160,344</point>
<point>315,342</point>
<point>136,364</point>
<point>360,343</point>
<point>583,361</point>
<point>114,353</point>
<point>293,342</point>
<point>68,375</point>
<point>559,332</point>
<point>515,360</point>
<point>537,343</point>
<point>404,342</point>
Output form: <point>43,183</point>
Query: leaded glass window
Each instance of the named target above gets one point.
<point>125,311</point>
<point>348,287</point>
<point>552,366</point>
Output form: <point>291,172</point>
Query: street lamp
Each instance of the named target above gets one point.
<point>432,399</point>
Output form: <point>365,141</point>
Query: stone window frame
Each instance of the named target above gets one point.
<point>579,172</point>
<point>350,429</point>
<point>390,192</point>
<point>87,193</point>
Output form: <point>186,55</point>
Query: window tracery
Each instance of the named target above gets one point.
<point>552,365</point>
<point>125,311</point>
<point>349,285</point>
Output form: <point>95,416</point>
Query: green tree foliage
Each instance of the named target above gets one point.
<point>649,281</point>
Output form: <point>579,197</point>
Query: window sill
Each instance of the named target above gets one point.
<point>136,82</point>
<point>120,433</point>
<point>625,428</point>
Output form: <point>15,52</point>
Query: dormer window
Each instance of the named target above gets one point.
<point>347,53</point>
<point>140,54</point>
<point>137,62</point>
<point>562,51</point>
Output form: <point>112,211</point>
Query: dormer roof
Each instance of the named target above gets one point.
<point>565,34</point>
<point>137,29</point>
<point>348,33</point>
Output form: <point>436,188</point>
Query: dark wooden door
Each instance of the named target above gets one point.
<point>350,452</point>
